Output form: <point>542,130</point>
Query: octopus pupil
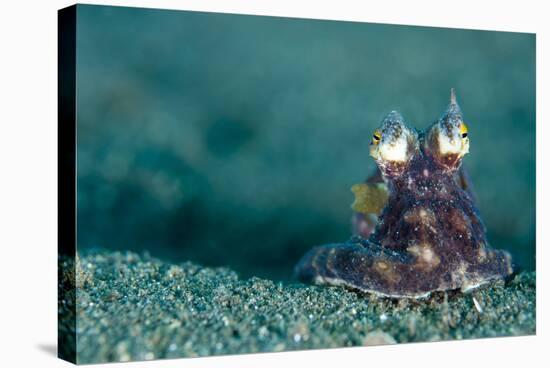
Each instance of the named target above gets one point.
<point>464,135</point>
<point>375,137</point>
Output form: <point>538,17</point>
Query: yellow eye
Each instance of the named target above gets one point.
<point>463,130</point>
<point>376,137</point>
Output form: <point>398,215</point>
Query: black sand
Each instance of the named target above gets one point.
<point>132,307</point>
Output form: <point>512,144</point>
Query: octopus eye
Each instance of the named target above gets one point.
<point>376,137</point>
<point>463,130</point>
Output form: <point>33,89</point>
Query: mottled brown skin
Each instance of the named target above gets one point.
<point>364,224</point>
<point>428,237</point>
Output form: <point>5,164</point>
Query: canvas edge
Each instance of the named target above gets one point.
<point>66,176</point>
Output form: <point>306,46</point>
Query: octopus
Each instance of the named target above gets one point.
<point>416,225</point>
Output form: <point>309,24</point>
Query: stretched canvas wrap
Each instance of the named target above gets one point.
<point>235,184</point>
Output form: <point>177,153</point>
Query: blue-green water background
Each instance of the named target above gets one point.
<point>233,140</point>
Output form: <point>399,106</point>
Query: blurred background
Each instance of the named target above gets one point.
<point>233,140</point>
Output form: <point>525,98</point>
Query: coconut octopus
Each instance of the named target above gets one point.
<point>417,228</point>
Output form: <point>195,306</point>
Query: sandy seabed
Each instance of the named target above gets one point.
<point>135,307</point>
